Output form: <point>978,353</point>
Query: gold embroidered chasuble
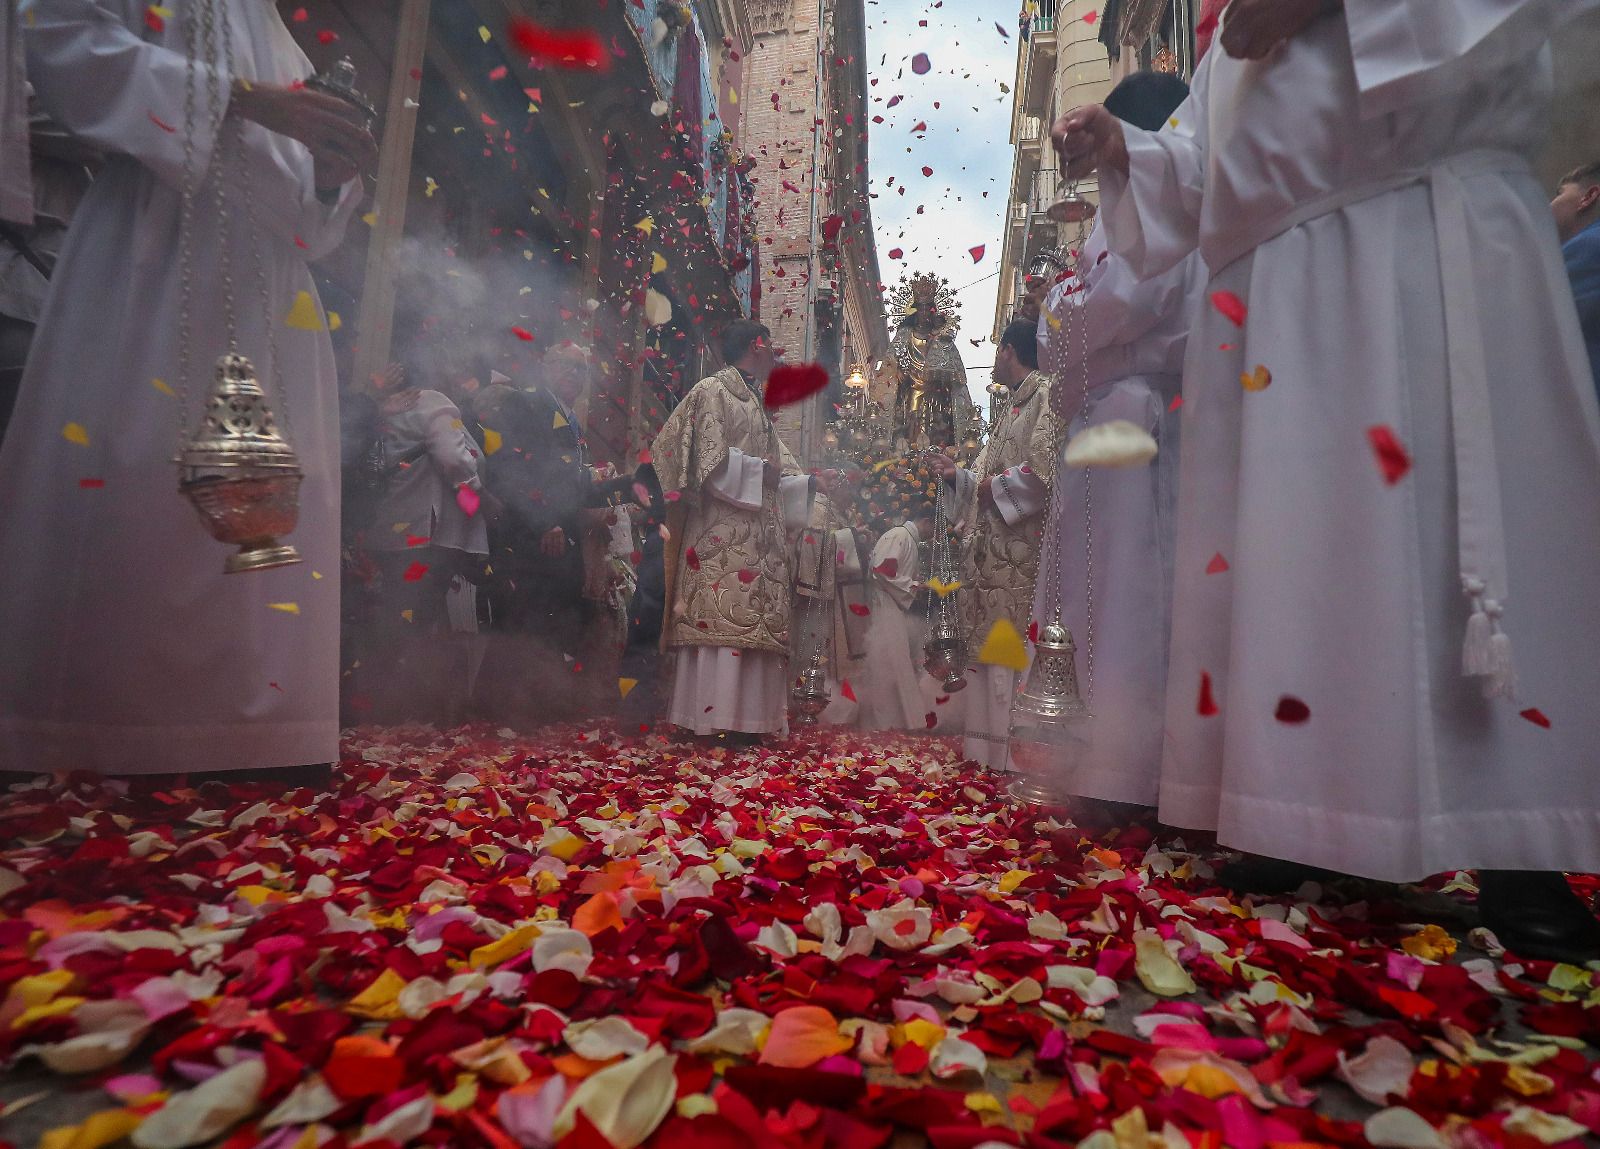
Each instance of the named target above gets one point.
<point>729,569</point>
<point>1000,565</point>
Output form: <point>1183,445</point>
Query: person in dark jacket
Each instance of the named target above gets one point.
<point>537,467</point>
<point>1577,211</point>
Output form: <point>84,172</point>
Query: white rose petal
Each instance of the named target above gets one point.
<point>889,926</point>
<point>605,1038</point>
<point>401,1125</point>
<point>308,1102</point>
<point>207,1111</point>
<point>1384,1067</point>
<point>1399,1128</point>
<point>953,1056</point>
<point>626,1101</point>
<point>563,949</point>
<point>1117,443</point>
<point>738,1031</point>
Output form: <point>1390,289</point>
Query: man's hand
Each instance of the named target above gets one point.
<point>1253,28</point>
<point>986,498</point>
<point>341,147</point>
<point>1087,139</point>
<point>943,466</point>
<point>553,543</point>
<point>770,476</point>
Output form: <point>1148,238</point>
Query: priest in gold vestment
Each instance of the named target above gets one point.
<point>1003,501</point>
<point>728,562</point>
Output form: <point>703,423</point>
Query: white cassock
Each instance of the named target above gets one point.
<point>891,691</point>
<point>128,651</point>
<point>719,688</point>
<point>1136,334</point>
<point>1365,191</point>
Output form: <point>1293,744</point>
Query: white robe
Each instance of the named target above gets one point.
<point>1365,192</point>
<point>718,688</point>
<point>128,651</point>
<point>891,691</point>
<point>1136,334</point>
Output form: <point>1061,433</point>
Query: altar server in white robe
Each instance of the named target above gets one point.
<point>128,651</point>
<point>1119,520</point>
<point>737,492</point>
<point>1406,490</point>
<point>891,691</point>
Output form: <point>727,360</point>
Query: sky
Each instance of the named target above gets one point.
<point>966,143</point>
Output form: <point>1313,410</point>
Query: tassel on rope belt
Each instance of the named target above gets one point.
<point>1486,650</point>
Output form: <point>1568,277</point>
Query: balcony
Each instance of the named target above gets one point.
<point>1030,133</point>
<point>1039,67</point>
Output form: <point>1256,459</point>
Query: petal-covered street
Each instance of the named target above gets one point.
<point>595,938</point>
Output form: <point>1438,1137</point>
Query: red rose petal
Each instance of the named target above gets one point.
<point>580,48</point>
<point>790,384</point>
<point>1207,705</point>
<point>1217,565</point>
<point>1230,305</point>
<point>1291,710</point>
<point>1393,460</point>
<point>1536,716</point>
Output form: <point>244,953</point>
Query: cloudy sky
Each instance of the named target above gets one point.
<point>966,143</point>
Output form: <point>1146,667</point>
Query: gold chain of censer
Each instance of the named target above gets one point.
<point>238,470</point>
<point>1075,332</point>
<point>1049,718</point>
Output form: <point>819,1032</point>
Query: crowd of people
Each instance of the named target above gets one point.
<point>1328,264</point>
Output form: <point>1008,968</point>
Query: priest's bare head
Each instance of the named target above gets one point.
<point>566,370</point>
<point>748,346</point>
<point>922,518</point>
<point>1018,355</point>
<point>1577,202</point>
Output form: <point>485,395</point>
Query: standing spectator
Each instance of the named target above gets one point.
<point>426,530</point>
<point>1577,212</point>
<point>537,467</point>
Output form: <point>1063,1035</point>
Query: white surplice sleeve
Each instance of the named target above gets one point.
<point>794,496</point>
<point>964,482</point>
<point>737,480</point>
<point>96,77</point>
<point>896,551</point>
<point>1019,493</point>
<point>1151,216</point>
<point>1409,51</point>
